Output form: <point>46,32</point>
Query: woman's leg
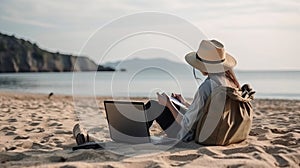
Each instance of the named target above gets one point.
<point>163,116</point>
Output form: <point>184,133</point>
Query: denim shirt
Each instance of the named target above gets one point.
<point>200,98</point>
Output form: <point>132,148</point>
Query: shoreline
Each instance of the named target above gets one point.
<point>122,97</point>
<point>37,131</point>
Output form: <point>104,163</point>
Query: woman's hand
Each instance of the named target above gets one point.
<point>164,99</point>
<point>181,99</point>
<point>178,97</point>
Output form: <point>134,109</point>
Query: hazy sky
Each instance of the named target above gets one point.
<point>261,34</point>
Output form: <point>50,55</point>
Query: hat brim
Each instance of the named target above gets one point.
<point>229,63</point>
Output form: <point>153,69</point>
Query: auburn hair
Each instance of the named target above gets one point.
<point>229,74</point>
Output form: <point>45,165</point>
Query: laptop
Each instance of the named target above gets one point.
<point>128,123</point>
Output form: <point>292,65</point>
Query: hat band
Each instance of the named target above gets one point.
<point>209,62</point>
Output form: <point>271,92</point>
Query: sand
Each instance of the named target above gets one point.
<point>37,131</point>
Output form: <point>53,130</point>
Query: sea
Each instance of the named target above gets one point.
<point>267,84</point>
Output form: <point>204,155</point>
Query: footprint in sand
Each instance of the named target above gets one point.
<point>281,161</point>
<point>181,160</point>
<point>34,124</point>
<point>29,129</point>
<point>38,130</point>
<point>188,157</point>
<point>52,119</point>
<point>279,130</point>
<point>286,141</point>
<point>40,146</point>
<point>12,120</point>
<point>10,133</point>
<point>59,128</point>
<point>8,128</point>
<point>46,138</point>
<point>37,119</point>
<point>59,159</point>
<point>101,155</point>
<point>259,131</point>
<point>62,132</point>
<point>278,150</point>
<point>35,130</point>
<point>40,118</point>
<point>58,142</point>
<point>247,149</point>
<point>21,137</point>
<point>10,148</point>
<point>262,134</point>
<point>206,152</point>
<point>51,124</point>
<point>231,157</point>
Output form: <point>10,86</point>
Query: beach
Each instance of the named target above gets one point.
<point>37,132</point>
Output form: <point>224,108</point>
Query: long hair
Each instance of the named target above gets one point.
<point>229,74</point>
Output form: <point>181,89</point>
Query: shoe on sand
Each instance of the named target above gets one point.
<point>78,134</point>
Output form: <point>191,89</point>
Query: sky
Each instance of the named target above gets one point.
<point>260,34</point>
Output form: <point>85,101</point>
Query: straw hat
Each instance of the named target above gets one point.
<point>211,57</point>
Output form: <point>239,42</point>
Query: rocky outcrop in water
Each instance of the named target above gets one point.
<point>18,55</point>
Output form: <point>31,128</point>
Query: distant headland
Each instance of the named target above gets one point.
<point>19,55</point>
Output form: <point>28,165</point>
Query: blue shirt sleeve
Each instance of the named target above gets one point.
<point>199,101</point>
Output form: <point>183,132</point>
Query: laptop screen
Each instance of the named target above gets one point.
<point>127,121</point>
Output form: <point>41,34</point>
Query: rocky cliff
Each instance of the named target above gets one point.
<point>18,55</point>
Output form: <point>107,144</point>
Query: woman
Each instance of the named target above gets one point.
<point>212,61</point>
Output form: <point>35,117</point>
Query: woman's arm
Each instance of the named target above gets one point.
<point>164,100</point>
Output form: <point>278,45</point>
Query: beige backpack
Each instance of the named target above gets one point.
<point>226,117</point>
